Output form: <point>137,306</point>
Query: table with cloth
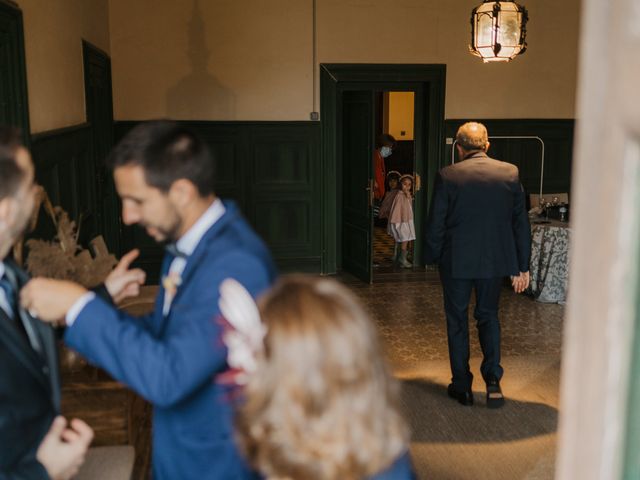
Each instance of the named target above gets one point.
<point>549,266</point>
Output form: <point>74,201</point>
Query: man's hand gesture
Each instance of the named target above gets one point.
<point>124,283</point>
<point>62,450</point>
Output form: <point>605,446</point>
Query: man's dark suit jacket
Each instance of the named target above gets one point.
<point>29,393</point>
<point>478,225</point>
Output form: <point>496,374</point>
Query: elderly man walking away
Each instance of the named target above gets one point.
<point>478,233</point>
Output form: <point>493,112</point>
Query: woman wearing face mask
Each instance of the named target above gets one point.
<point>382,151</point>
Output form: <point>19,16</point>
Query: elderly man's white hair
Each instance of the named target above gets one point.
<point>472,136</point>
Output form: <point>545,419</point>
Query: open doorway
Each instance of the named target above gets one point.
<point>352,99</point>
<point>376,214</point>
<point>394,163</point>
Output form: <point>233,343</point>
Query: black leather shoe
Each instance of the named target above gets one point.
<point>465,398</point>
<point>495,398</point>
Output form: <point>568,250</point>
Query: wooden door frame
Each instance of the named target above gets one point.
<point>601,324</point>
<point>336,77</point>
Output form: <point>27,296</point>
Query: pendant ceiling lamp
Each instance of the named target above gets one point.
<point>498,31</point>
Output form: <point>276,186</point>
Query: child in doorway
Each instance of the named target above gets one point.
<point>393,179</point>
<point>400,225</point>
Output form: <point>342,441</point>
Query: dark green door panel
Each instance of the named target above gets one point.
<point>356,160</point>
<point>14,108</point>
<point>428,83</point>
<point>283,193</point>
<point>64,167</point>
<point>99,111</point>
<point>273,171</point>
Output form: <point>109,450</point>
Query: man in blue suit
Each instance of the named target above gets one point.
<point>164,176</point>
<point>478,233</point>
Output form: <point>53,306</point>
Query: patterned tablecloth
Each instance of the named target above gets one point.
<point>549,261</point>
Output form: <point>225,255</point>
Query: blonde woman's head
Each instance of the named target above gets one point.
<point>323,404</point>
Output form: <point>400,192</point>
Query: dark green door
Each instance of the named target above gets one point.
<point>14,109</point>
<point>99,105</point>
<point>357,194</point>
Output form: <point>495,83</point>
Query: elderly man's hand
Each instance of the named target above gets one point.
<point>520,282</point>
<point>50,300</point>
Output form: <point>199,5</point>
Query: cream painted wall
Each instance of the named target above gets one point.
<point>538,84</point>
<point>53,34</point>
<point>252,59</point>
<point>211,60</point>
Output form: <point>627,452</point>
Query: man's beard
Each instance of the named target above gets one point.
<point>170,233</point>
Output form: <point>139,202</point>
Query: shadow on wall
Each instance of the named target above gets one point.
<point>199,95</point>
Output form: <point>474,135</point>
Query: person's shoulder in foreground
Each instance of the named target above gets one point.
<point>401,469</point>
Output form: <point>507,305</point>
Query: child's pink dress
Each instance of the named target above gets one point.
<point>400,225</point>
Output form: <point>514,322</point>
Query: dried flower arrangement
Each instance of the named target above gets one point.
<point>63,258</point>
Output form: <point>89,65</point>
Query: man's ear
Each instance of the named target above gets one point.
<point>486,147</point>
<point>182,192</point>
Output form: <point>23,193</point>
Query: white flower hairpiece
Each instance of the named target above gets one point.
<point>244,331</point>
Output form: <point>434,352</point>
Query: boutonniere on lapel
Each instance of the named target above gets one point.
<point>171,282</point>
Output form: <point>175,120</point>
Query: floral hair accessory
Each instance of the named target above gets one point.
<point>244,331</point>
<point>406,175</point>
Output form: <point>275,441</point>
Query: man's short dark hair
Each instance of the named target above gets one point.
<point>11,175</point>
<point>167,152</point>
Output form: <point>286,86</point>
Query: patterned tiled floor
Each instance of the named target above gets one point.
<point>410,316</point>
<point>383,245</point>
<point>452,442</point>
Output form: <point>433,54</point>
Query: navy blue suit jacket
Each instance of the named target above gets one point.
<point>172,360</point>
<point>401,469</point>
<point>478,225</point>
<point>29,393</point>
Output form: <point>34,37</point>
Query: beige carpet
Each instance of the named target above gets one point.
<point>451,441</point>
<point>107,463</point>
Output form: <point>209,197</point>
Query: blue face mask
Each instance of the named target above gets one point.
<point>385,151</point>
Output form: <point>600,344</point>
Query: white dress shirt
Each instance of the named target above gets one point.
<point>186,244</point>
<point>189,241</point>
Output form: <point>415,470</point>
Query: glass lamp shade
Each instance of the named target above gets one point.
<point>498,31</point>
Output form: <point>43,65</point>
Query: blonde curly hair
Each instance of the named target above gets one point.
<point>323,404</point>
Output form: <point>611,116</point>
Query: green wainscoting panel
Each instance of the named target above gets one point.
<point>526,154</point>
<point>272,170</point>
<point>64,167</point>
